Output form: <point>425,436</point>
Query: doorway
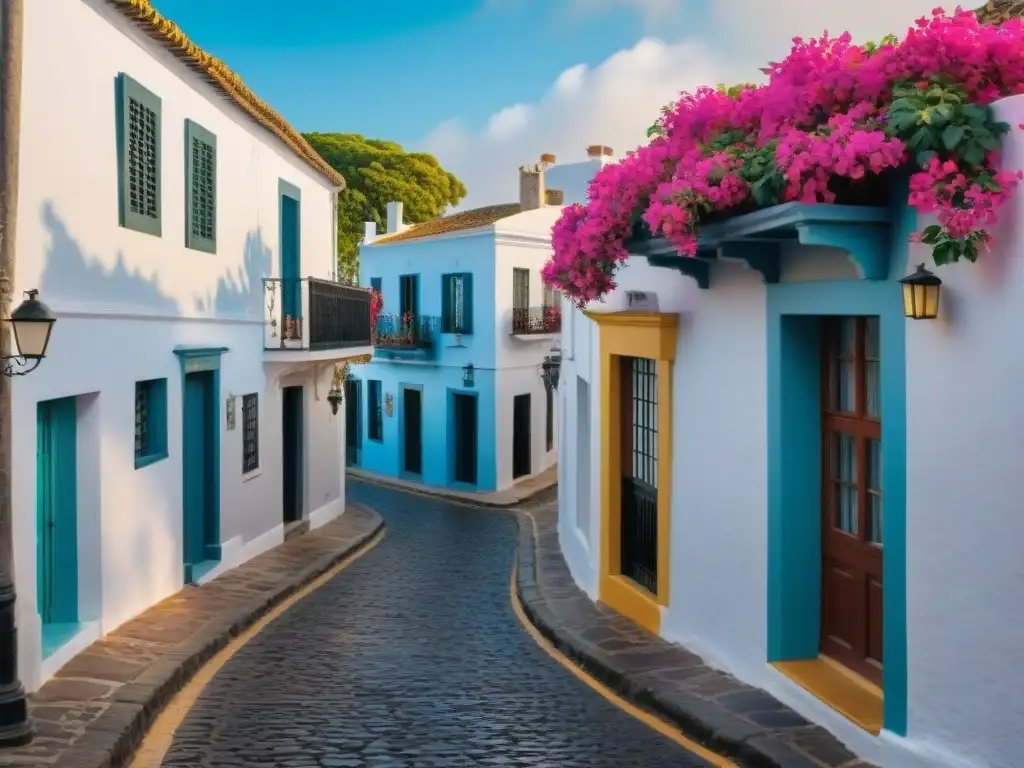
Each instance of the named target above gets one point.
<point>521,439</point>
<point>412,431</point>
<point>851,590</point>
<point>57,520</point>
<point>291,286</point>
<point>200,535</point>
<point>353,443</point>
<point>464,433</point>
<point>639,503</point>
<point>291,453</point>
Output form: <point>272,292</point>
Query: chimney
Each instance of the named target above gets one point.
<point>395,223</point>
<point>531,187</point>
<point>599,151</point>
<point>369,232</point>
<point>548,158</point>
<point>554,197</point>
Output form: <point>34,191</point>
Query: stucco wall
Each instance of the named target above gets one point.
<point>125,300</point>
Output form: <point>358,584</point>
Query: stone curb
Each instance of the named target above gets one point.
<point>441,493</point>
<point>705,722</point>
<point>113,738</point>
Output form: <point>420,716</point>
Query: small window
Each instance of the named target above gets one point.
<point>457,303</point>
<point>150,422</point>
<point>250,433</point>
<point>375,283</point>
<point>520,289</point>
<point>550,297</point>
<point>139,139</point>
<point>375,413</point>
<point>201,188</point>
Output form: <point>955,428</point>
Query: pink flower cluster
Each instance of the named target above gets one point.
<point>819,121</point>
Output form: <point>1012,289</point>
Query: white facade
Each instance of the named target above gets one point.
<point>964,438</point>
<point>126,301</point>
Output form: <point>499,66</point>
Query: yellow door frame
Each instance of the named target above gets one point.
<point>633,334</point>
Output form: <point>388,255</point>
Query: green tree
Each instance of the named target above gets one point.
<point>377,172</point>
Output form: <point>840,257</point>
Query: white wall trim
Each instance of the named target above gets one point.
<point>462,233</point>
<point>234,552</point>
<point>523,239</point>
<point>130,312</point>
<point>86,636</point>
<point>326,513</point>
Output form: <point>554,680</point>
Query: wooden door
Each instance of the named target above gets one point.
<point>851,615</point>
<point>521,438</point>
<point>57,511</point>
<point>198,458</point>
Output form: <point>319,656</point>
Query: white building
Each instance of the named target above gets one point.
<point>455,396</point>
<point>725,385</point>
<point>179,422</point>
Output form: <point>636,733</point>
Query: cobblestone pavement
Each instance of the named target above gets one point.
<point>412,656</point>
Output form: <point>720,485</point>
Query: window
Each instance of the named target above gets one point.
<point>550,297</point>
<point>407,297</point>
<point>520,289</point>
<point>549,425</point>
<point>375,283</point>
<point>375,413</point>
<point>201,187</point>
<point>250,433</point>
<point>457,303</point>
<point>138,155</point>
<point>150,422</point>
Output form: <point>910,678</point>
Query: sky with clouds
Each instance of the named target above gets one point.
<point>487,85</point>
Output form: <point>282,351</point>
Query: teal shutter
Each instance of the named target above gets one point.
<point>447,320</point>
<point>138,141</point>
<point>200,188</point>
<point>467,302</point>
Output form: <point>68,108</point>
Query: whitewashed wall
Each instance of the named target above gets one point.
<point>124,300</point>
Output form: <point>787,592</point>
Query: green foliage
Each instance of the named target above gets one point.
<point>377,172</point>
<point>946,249</point>
<point>872,48</point>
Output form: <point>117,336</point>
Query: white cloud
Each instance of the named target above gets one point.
<point>614,102</point>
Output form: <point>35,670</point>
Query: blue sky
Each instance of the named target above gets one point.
<point>487,85</point>
<point>397,68</point>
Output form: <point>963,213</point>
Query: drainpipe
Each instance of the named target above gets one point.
<point>16,727</point>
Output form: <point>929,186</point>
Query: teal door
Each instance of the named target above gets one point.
<point>291,288</point>
<point>291,453</point>
<point>57,511</point>
<point>200,534</point>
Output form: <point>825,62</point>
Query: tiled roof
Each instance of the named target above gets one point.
<point>998,11</point>
<point>216,72</point>
<point>478,217</point>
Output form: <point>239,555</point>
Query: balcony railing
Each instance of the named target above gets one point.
<point>536,320</point>
<point>406,331</point>
<point>313,314</point>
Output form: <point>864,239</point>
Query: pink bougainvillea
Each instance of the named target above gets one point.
<point>832,120</point>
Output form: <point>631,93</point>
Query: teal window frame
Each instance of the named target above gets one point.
<point>153,393</point>
<point>194,132</point>
<point>375,410</point>
<point>127,91</point>
<point>448,324</point>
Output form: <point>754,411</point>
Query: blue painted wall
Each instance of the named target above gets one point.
<point>430,260</point>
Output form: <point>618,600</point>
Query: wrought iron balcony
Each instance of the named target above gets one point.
<point>406,335</point>
<point>312,314</point>
<point>536,321</point>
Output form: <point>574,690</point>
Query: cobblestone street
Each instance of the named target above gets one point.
<point>412,656</point>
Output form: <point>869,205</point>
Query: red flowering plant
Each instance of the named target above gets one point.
<point>376,302</point>
<point>831,121</point>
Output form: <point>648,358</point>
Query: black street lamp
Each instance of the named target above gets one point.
<point>550,370</point>
<point>921,294</point>
<point>336,394</point>
<point>32,322</point>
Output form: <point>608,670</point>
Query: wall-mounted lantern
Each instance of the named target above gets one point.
<point>467,375</point>
<point>921,294</point>
<point>551,369</point>
<point>32,322</point>
<point>336,394</point>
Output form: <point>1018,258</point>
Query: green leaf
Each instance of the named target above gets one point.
<point>952,136</point>
<point>974,155</point>
<point>932,230</point>
<point>943,252</point>
<point>970,251</point>
<point>925,157</point>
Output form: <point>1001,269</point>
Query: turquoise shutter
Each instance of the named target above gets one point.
<point>138,142</point>
<point>200,188</point>
<point>447,319</point>
<point>467,302</point>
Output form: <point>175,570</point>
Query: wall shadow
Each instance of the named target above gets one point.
<point>71,274</point>
<point>240,292</point>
